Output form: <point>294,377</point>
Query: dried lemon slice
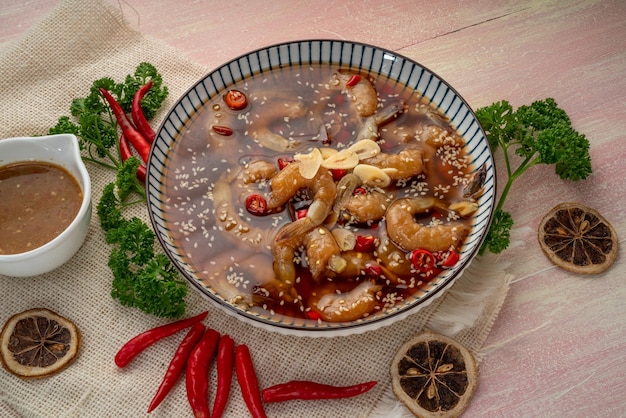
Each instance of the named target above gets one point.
<point>434,376</point>
<point>578,239</point>
<point>37,343</point>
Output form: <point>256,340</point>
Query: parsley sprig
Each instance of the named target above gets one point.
<point>141,277</point>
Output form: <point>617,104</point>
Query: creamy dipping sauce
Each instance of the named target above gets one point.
<point>38,201</point>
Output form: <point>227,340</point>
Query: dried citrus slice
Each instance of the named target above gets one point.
<point>578,239</point>
<point>434,376</point>
<point>38,343</point>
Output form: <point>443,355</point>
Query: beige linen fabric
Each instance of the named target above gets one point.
<point>81,41</point>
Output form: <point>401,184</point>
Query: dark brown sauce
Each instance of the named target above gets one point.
<point>200,158</point>
<point>38,201</point>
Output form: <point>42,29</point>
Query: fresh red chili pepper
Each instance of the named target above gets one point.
<point>365,243</point>
<point>225,360</point>
<point>353,81</point>
<point>314,315</point>
<point>450,260</point>
<point>246,376</point>
<point>137,344</point>
<point>423,260</point>
<point>305,390</point>
<point>222,130</point>
<point>177,364</point>
<point>140,143</point>
<point>256,204</point>
<point>136,112</point>
<point>360,190</point>
<point>235,99</point>
<point>197,373</point>
<point>126,153</point>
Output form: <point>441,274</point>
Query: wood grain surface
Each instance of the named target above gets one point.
<point>558,348</point>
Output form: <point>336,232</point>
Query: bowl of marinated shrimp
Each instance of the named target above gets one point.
<point>321,188</point>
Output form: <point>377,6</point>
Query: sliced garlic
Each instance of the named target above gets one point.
<point>309,163</point>
<point>343,160</point>
<point>365,148</point>
<point>327,152</point>
<point>371,175</point>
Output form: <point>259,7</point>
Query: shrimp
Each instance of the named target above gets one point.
<point>362,95</point>
<point>407,163</point>
<point>336,306</point>
<point>365,207</point>
<point>321,250</point>
<point>370,129</point>
<point>288,182</point>
<point>257,170</point>
<point>409,234</point>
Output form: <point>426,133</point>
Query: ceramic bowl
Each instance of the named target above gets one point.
<point>165,167</point>
<point>61,150</point>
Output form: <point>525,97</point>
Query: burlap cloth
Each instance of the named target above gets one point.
<point>81,41</point>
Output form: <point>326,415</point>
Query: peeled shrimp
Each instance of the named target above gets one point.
<point>409,234</point>
<point>346,306</point>
<point>288,182</point>
<point>321,251</point>
<point>365,207</point>
<point>407,163</point>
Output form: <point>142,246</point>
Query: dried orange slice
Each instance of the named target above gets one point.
<point>37,343</point>
<point>578,239</point>
<point>434,376</point>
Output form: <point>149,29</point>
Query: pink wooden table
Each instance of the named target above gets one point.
<point>559,345</point>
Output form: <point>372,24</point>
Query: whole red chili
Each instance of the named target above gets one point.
<point>140,143</point>
<point>306,390</point>
<point>353,81</point>
<point>423,260</point>
<point>256,204</point>
<point>177,364</point>
<point>225,360</point>
<point>126,153</point>
<point>197,374</point>
<point>246,376</point>
<point>137,344</point>
<point>136,112</point>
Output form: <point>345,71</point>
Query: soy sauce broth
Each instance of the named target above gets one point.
<point>38,201</point>
<point>231,254</point>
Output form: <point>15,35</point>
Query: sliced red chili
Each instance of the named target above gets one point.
<point>360,190</point>
<point>235,99</point>
<point>450,258</point>
<point>283,162</point>
<point>177,364</point>
<point>306,390</point>
<point>197,373</point>
<point>225,361</point>
<point>136,112</point>
<point>246,376</point>
<point>142,341</point>
<point>353,81</point>
<point>423,260</point>
<point>373,269</point>
<point>338,173</point>
<point>222,130</point>
<point>301,213</point>
<point>256,204</point>
<point>314,315</point>
<point>365,243</point>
